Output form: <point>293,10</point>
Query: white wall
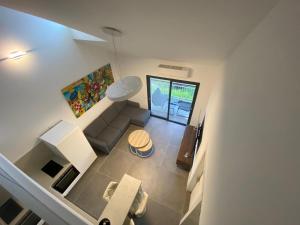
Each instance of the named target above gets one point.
<point>253,157</point>
<point>206,75</point>
<point>30,88</point>
<point>4,195</point>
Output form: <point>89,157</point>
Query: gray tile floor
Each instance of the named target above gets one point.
<point>161,179</point>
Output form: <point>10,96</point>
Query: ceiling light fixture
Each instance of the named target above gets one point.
<point>16,54</point>
<point>125,87</point>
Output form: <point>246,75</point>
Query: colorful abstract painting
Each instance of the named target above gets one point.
<point>86,92</point>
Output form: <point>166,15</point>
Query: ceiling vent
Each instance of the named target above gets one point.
<point>175,71</point>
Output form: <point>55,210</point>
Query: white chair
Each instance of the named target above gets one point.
<point>131,222</point>
<point>128,221</point>
<point>109,191</point>
<point>138,207</point>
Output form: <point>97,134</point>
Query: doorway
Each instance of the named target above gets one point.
<point>171,99</point>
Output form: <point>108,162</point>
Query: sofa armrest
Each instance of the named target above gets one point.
<point>98,144</point>
<point>133,104</point>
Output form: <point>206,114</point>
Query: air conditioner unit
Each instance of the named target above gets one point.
<point>175,71</point>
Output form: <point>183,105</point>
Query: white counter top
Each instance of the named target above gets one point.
<point>119,205</point>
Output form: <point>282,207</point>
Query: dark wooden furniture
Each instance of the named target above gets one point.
<point>186,152</point>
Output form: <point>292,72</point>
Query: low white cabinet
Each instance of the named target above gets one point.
<point>68,141</point>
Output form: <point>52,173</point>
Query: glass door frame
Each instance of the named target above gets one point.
<point>170,92</point>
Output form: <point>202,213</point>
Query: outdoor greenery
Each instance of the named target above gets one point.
<point>179,91</point>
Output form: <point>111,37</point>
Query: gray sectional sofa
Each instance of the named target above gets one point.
<point>105,131</point>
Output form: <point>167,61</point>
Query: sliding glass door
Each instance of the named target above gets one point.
<point>171,99</point>
<point>182,97</point>
<point>159,93</point>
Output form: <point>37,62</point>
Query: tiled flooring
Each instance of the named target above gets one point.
<point>161,179</point>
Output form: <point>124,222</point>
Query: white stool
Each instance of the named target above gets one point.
<point>128,221</point>
<point>138,207</point>
<point>109,191</point>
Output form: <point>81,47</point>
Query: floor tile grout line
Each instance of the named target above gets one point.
<point>163,205</point>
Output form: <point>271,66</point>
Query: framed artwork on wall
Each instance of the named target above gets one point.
<point>83,94</point>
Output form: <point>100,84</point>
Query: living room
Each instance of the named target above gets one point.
<point>46,108</point>
<point>235,55</point>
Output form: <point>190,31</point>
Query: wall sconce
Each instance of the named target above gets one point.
<point>15,55</point>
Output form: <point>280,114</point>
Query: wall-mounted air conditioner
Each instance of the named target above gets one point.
<point>175,71</point>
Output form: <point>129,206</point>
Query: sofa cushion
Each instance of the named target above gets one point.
<point>133,104</point>
<point>120,105</point>
<point>141,117</point>
<point>95,127</point>
<point>137,116</point>
<point>129,111</point>
<point>110,136</point>
<point>121,122</point>
<point>99,145</point>
<point>109,114</point>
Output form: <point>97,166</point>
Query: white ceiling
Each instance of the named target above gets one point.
<point>183,30</point>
